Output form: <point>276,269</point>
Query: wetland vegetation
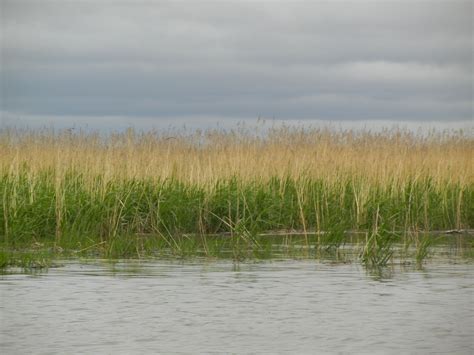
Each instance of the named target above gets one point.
<point>238,194</point>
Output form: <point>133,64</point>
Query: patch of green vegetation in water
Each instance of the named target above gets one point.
<point>26,260</point>
<point>375,250</point>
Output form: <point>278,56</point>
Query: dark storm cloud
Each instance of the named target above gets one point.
<point>351,60</point>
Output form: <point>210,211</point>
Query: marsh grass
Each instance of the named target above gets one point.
<point>25,259</point>
<point>378,249</point>
<point>138,194</point>
<point>423,245</point>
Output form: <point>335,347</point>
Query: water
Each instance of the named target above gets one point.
<point>285,306</point>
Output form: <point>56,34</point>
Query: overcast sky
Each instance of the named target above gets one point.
<point>146,63</point>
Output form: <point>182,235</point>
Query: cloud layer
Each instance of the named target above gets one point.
<point>304,60</point>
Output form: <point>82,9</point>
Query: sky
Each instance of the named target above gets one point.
<point>110,64</point>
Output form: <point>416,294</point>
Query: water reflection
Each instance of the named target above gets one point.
<point>330,304</point>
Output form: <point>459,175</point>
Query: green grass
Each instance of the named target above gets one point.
<point>143,217</point>
<point>39,259</point>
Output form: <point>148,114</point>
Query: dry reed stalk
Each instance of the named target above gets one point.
<point>205,157</point>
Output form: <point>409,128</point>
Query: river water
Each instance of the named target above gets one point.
<point>277,306</point>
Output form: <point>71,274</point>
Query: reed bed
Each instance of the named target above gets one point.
<point>78,189</point>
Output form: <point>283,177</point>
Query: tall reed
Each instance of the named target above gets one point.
<point>79,189</point>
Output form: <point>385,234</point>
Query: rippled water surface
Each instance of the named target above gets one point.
<point>287,306</point>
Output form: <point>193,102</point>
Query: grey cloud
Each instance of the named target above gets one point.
<point>350,60</point>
